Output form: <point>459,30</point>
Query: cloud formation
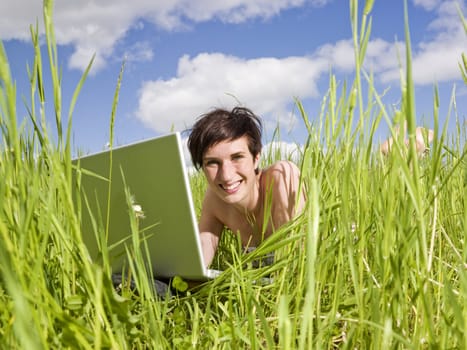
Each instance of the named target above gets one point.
<point>436,59</point>
<point>95,26</point>
<point>267,85</point>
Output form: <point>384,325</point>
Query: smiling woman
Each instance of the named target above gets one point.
<point>251,202</point>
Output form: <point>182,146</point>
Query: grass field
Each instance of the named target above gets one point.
<point>378,260</point>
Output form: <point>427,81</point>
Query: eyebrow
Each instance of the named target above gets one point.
<point>208,159</point>
<point>239,153</point>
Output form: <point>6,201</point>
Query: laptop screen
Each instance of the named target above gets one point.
<point>145,183</point>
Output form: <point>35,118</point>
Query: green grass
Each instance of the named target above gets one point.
<point>378,260</point>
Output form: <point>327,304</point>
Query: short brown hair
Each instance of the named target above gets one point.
<point>223,125</point>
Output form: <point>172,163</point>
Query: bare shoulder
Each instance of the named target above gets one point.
<point>282,181</point>
<point>284,170</point>
<point>282,177</point>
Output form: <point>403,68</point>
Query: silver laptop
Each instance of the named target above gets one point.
<point>152,176</point>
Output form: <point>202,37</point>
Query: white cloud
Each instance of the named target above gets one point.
<point>17,16</point>
<point>427,4</point>
<point>436,60</point>
<point>94,27</point>
<point>432,61</point>
<point>277,150</point>
<point>138,52</point>
<point>266,85</point>
<point>338,56</point>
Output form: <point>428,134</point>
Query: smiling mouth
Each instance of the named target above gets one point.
<point>231,188</point>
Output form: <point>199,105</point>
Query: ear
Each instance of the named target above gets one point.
<point>256,160</point>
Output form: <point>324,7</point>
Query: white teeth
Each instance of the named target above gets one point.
<point>231,186</point>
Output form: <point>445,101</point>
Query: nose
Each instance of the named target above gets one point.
<point>227,171</point>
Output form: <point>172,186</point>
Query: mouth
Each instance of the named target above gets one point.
<point>231,187</point>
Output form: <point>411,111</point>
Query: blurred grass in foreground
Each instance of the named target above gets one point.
<point>378,260</point>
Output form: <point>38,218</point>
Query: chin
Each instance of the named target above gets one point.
<point>231,198</point>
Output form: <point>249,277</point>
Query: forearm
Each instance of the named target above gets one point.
<point>209,243</point>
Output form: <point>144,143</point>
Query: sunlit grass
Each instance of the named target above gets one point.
<point>378,259</point>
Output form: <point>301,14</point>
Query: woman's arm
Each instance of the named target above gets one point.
<point>210,229</point>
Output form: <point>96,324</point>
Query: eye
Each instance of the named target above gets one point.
<point>211,163</point>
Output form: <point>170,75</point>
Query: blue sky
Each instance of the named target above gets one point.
<point>184,57</point>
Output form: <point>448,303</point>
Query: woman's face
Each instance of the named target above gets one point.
<point>229,168</point>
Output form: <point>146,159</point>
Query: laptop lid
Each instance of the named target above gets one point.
<point>154,174</point>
